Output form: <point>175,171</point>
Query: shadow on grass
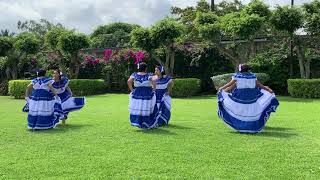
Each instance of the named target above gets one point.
<point>277,128</point>
<point>197,97</point>
<point>157,131</point>
<point>174,126</point>
<point>61,129</point>
<point>291,99</point>
<point>277,132</point>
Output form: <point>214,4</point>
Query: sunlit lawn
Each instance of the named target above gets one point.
<point>98,142</point>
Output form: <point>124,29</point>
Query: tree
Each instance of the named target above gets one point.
<point>112,35</point>
<point>312,16</point>
<point>27,43</point>
<point>6,44</point>
<point>6,32</point>
<point>39,28</point>
<point>289,20</point>
<point>242,25</point>
<point>225,7</point>
<point>70,43</point>
<point>163,35</point>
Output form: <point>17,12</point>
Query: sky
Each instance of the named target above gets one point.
<point>86,15</point>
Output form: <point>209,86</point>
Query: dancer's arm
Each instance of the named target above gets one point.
<point>68,89</point>
<point>230,88</point>
<point>28,90</point>
<point>154,84</point>
<point>52,89</point>
<point>231,83</point>
<point>264,87</point>
<point>130,83</point>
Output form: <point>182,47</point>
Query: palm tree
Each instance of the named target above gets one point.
<point>212,5</point>
<point>6,32</point>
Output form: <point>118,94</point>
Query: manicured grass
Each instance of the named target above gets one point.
<point>99,143</point>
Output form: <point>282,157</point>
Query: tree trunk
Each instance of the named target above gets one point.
<point>74,66</point>
<point>14,72</point>
<point>153,55</point>
<point>167,65</point>
<point>307,67</point>
<point>172,61</point>
<point>300,53</point>
<point>231,55</point>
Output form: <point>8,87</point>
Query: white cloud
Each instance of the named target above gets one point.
<point>85,15</point>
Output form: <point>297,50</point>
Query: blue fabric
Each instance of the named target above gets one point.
<point>60,84</point>
<point>143,93</point>
<point>41,80</point>
<point>64,96</point>
<point>163,80</point>
<point>160,93</point>
<point>248,126</point>
<point>143,121</point>
<point>41,95</point>
<point>42,122</point>
<point>246,96</point>
<point>141,78</point>
<point>247,75</point>
<point>163,115</point>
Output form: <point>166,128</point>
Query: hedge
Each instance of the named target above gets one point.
<point>223,79</point>
<point>17,88</point>
<point>304,88</point>
<point>186,87</point>
<point>79,87</point>
<point>85,87</point>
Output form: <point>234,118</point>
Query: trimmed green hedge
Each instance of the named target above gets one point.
<point>85,87</point>
<point>79,87</point>
<point>186,87</point>
<point>17,88</point>
<point>304,88</point>
<point>223,79</point>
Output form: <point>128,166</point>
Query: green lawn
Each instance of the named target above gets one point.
<point>98,143</point>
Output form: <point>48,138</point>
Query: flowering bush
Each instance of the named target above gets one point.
<point>118,65</point>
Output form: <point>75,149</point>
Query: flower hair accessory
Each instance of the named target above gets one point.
<point>240,67</point>
<point>161,69</point>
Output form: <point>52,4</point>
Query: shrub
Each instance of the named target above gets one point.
<point>79,87</point>
<point>84,87</point>
<point>304,88</point>
<point>186,87</point>
<point>223,79</point>
<point>17,88</point>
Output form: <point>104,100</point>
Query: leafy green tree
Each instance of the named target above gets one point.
<point>289,20</point>
<point>6,44</point>
<point>70,43</point>
<point>112,35</point>
<point>163,35</point>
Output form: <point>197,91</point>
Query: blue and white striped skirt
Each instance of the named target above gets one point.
<point>69,103</point>
<point>142,107</point>
<point>163,110</point>
<point>44,111</point>
<point>247,116</point>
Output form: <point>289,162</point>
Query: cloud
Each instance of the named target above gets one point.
<point>85,15</point>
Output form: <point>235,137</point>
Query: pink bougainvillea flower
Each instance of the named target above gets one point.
<point>107,54</point>
<point>139,56</point>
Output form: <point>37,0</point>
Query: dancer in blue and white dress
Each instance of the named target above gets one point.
<point>249,105</point>
<point>163,94</point>
<point>43,107</point>
<point>142,98</point>
<point>68,103</point>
